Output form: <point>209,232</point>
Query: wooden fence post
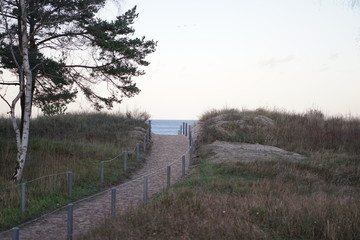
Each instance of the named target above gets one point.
<point>190,156</point>
<point>168,176</point>
<point>113,202</point>
<point>190,138</point>
<point>149,129</point>
<point>70,214</point>
<point>102,171</point>
<point>15,233</point>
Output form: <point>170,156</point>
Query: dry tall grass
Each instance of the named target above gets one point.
<point>308,133</point>
<point>317,198</point>
<point>268,200</point>
<point>74,142</point>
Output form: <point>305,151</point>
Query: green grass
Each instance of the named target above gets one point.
<point>313,199</point>
<point>75,142</point>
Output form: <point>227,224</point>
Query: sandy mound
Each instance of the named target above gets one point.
<point>247,127</point>
<point>244,152</point>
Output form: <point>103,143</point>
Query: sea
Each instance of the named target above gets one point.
<point>168,127</point>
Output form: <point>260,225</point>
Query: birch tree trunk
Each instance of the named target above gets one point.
<point>23,146</point>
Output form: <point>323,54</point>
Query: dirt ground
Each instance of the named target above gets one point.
<point>243,152</point>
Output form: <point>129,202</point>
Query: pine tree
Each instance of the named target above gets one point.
<point>69,50</point>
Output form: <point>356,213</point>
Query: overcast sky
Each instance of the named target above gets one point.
<point>287,54</point>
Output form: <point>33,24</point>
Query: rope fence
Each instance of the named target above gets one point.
<point>115,200</point>
<point>18,192</point>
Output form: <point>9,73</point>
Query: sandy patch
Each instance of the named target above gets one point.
<point>245,152</point>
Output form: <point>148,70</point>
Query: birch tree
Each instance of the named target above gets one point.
<point>58,48</point>
<point>25,91</point>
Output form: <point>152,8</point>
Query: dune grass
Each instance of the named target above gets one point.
<point>76,143</point>
<point>308,133</point>
<point>317,198</point>
<point>242,201</point>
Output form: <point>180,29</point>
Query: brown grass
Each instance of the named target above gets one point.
<point>266,200</point>
<point>309,132</point>
<point>313,199</point>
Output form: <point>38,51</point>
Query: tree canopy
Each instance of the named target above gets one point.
<point>57,48</point>
<point>72,50</point>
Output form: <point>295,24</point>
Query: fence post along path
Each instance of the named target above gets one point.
<point>163,166</point>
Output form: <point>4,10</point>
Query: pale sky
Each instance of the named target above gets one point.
<point>291,55</point>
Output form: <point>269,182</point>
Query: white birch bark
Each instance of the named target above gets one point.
<point>23,146</point>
